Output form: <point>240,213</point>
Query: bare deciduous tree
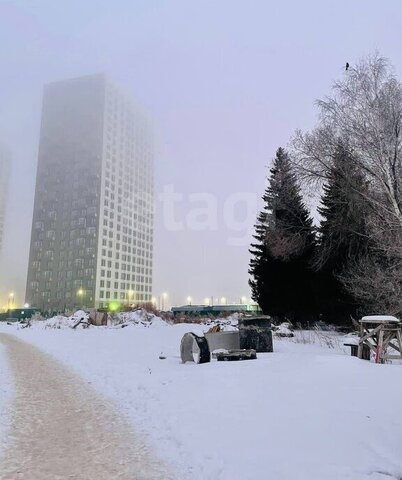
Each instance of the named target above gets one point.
<point>376,284</point>
<point>364,112</point>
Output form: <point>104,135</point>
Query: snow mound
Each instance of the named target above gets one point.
<point>138,317</point>
<point>78,320</point>
<point>283,330</point>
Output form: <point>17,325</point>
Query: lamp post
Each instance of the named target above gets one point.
<point>164,297</point>
<point>10,301</point>
<point>80,295</point>
<point>130,295</point>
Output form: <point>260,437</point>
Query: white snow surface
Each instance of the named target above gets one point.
<point>304,412</point>
<point>380,318</point>
<point>5,397</point>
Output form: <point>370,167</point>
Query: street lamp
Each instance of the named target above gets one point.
<point>130,296</point>
<point>164,297</point>
<point>80,295</point>
<point>11,301</point>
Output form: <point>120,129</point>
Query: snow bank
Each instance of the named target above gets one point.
<point>304,412</point>
<point>80,319</point>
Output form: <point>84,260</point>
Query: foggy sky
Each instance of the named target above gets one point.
<point>225,81</point>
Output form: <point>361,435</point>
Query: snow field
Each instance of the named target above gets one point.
<point>303,412</point>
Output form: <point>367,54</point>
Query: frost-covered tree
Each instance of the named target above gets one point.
<point>365,111</point>
<point>280,267</point>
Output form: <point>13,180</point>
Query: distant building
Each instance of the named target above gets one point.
<point>215,310</point>
<point>92,229</point>
<point>5,168</point>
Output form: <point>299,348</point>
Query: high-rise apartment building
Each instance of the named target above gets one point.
<point>92,229</point>
<point>5,167</point>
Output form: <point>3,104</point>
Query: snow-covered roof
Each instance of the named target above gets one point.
<point>380,319</point>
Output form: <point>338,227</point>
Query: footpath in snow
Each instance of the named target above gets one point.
<point>61,429</point>
<point>6,391</point>
<point>303,412</point>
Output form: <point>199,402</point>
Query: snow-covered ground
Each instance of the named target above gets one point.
<point>303,412</point>
<point>5,396</point>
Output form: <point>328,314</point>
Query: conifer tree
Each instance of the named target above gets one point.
<point>280,267</point>
<point>342,235</point>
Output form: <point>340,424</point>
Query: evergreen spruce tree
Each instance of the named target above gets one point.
<point>342,236</point>
<point>280,267</point>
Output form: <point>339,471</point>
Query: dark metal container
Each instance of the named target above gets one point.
<point>256,334</point>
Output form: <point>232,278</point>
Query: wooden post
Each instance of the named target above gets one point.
<point>360,347</point>
<point>379,356</point>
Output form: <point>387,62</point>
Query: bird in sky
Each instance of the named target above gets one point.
<point>347,66</point>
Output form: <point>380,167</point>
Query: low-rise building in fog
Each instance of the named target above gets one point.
<point>216,310</point>
<point>92,229</point>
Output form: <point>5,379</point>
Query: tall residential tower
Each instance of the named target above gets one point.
<point>92,229</point>
<point>5,167</point>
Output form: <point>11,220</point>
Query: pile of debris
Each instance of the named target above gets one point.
<point>79,319</point>
<point>254,334</point>
<point>99,318</point>
<point>139,317</point>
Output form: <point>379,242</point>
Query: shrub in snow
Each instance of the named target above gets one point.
<point>329,339</point>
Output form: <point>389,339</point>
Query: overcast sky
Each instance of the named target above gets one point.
<point>225,81</point>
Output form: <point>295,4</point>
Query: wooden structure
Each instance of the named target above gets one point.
<point>383,335</point>
<point>366,352</point>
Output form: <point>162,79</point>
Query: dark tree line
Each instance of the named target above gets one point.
<point>351,262</point>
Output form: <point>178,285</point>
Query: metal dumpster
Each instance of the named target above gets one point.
<point>256,333</point>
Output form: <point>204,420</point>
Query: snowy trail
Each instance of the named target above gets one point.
<point>61,429</point>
